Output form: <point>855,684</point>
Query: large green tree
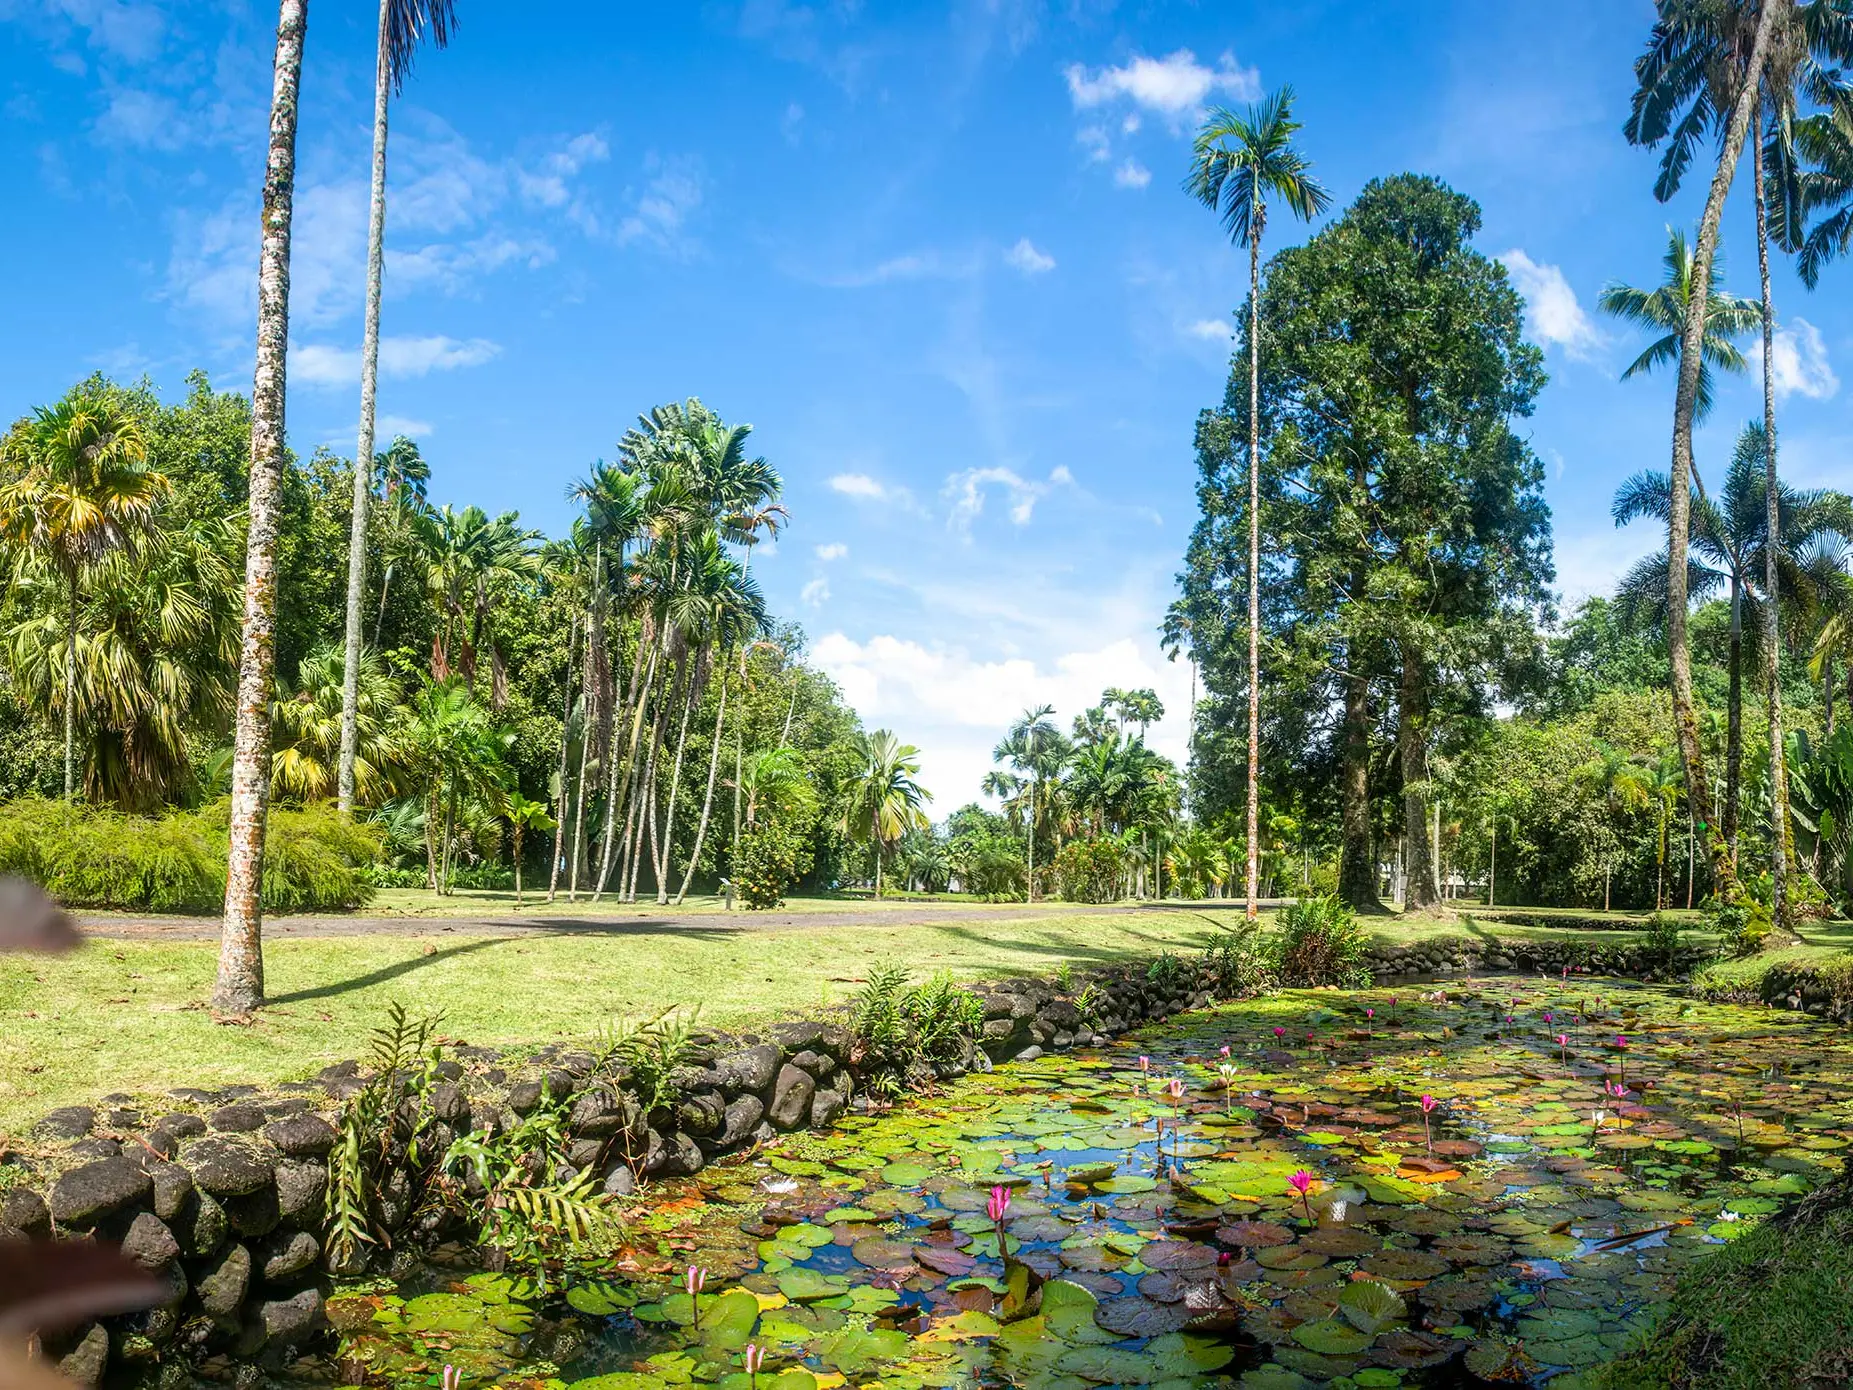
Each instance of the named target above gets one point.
<point>1418,550</point>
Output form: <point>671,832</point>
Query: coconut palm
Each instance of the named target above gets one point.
<point>403,26</point>
<point>1729,555</point>
<point>400,478</point>
<point>1238,163</point>
<point>885,800</point>
<point>468,558</point>
<point>1662,310</point>
<point>1037,750</point>
<point>83,491</point>
<point>1689,86</point>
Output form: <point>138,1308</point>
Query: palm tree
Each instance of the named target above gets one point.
<point>1238,162</point>
<point>304,765</point>
<point>468,558</point>
<point>524,815</point>
<point>1729,554</point>
<point>403,26</point>
<point>1663,781</point>
<point>1036,749</point>
<point>84,491</point>
<point>884,799</point>
<point>1622,786</point>
<point>400,478</point>
<point>1678,95</point>
<point>461,755</point>
<point>240,985</point>
<point>1663,310</point>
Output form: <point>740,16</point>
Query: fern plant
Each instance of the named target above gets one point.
<point>649,1052</point>
<point>379,1131</point>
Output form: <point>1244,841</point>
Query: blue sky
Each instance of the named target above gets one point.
<point>936,254</point>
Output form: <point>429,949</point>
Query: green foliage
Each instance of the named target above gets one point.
<point>383,1129</point>
<point>772,854</point>
<point>895,1027</point>
<point>1663,940</point>
<point>531,1211</point>
<point>1742,926</point>
<point>93,856</point>
<point>1167,970</point>
<point>1319,942</point>
<point>1091,871</point>
<point>1239,962</point>
<point>648,1053</point>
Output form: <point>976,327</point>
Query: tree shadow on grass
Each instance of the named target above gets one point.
<point>559,927</point>
<point>1067,950</point>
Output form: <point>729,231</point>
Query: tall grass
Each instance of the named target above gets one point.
<point>94,856</point>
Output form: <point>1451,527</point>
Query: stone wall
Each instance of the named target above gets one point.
<point>1461,955</point>
<point>223,1194</point>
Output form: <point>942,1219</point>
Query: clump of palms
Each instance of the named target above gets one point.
<point>884,799</point>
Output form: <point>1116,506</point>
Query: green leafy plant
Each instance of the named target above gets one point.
<point>1742,926</point>
<point>648,1052</point>
<point>772,855</point>
<point>1090,871</point>
<point>384,1126</point>
<point>1320,943</point>
<point>1239,962</point>
<point>1166,970</point>
<point>1663,941</point>
<point>534,1208</point>
<point>894,1026</point>
<point>1089,1002</point>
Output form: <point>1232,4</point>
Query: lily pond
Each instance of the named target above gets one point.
<point>1258,1195</point>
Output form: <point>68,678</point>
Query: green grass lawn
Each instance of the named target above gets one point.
<point>128,1015</point>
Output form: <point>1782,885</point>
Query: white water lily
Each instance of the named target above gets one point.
<point>1338,1209</point>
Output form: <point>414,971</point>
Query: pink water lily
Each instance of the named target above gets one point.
<point>1563,1047</point>
<point>1370,1013</point>
<point>1302,1182</point>
<point>999,1204</point>
<point>1225,1049</point>
<point>1280,1032</point>
<point>1145,1064</point>
<point>695,1281</point>
<point>452,1378</point>
<point>755,1358</point>
<point>1428,1135</point>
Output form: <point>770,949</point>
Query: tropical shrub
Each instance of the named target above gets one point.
<point>894,1026</point>
<point>1239,962</point>
<point>1662,940</point>
<point>772,857</point>
<point>1320,943</point>
<point>1742,926</point>
<point>95,856</point>
<point>1090,871</point>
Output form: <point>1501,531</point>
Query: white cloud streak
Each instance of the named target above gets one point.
<point>967,489</point>
<point>1800,365</point>
<point>1552,312</point>
<point>1025,257</point>
<point>322,364</point>
<point>1174,86</point>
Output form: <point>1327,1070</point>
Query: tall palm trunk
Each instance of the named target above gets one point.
<point>1679,512</point>
<point>70,691</point>
<point>663,868</point>
<point>1734,720</point>
<point>566,742</point>
<point>240,984</point>
<point>1357,865</point>
<point>641,687</point>
<point>1257,224</point>
<point>363,450</point>
<point>1781,835</point>
<point>707,800</point>
<point>1422,888</point>
<point>1030,889</point>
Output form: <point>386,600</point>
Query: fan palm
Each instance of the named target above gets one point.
<point>403,26</point>
<point>1662,310</point>
<point>1238,163</point>
<point>308,728</point>
<point>885,799</point>
<point>83,491</point>
<point>239,987</point>
<point>1686,81</point>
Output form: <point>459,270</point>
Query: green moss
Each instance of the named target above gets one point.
<point>1770,1309</point>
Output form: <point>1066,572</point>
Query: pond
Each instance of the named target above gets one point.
<point>1492,1183</point>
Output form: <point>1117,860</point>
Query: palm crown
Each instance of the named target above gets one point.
<point>1242,159</point>
<point>1663,309</point>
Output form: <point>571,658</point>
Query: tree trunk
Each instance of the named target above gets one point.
<point>363,449</point>
<point>566,742</point>
<point>70,694</point>
<point>1492,866</point>
<point>707,800</point>
<point>1734,722</point>
<point>517,866</point>
<point>1827,694</point>
<point>1679,512</point>
<point>240,985</point>
<point>1258,221</point>
<point>1781,834</point>
<point>1421,890</point>
<point>1357,868</point>
<point>664,865</point>
<point>1029,890</point>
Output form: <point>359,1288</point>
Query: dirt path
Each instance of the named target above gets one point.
<point>539,921</point>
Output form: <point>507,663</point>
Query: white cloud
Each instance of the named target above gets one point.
<point>966,491</point>
<point>1132,174</point>
<point>858,485</point>
<point>1209,329</point>
<point>1174,86</point>
<point>1551,308</point>
<point>955,704</point>
<point>814,593</point>
<point>323,364</point>
<point>1800,362</point>
<point>389,426</point>
<point>835,550</point>
<point>1093,139</point>
<point>1026,258</point>
<point>664,207</point>
<point>549,184</point>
